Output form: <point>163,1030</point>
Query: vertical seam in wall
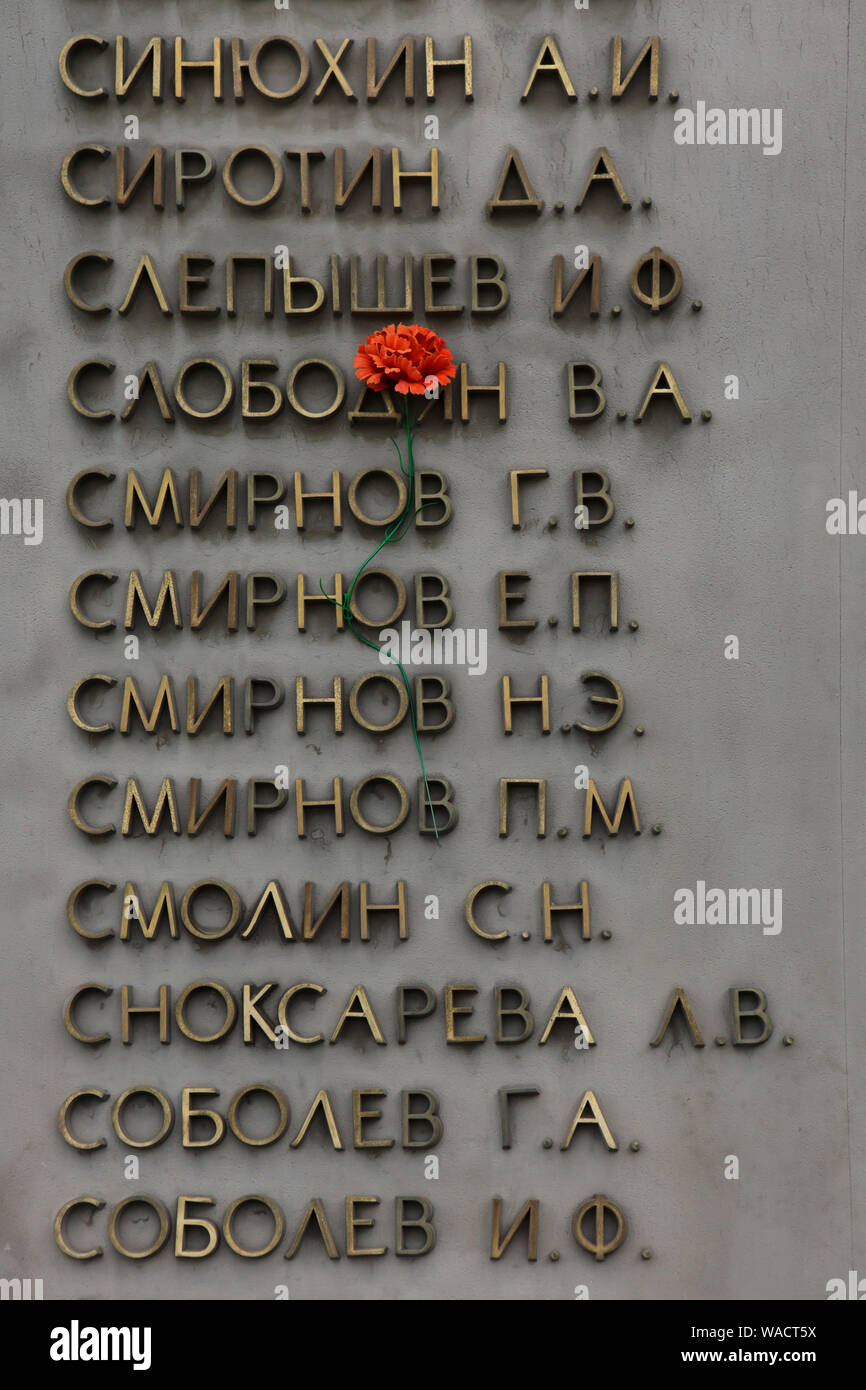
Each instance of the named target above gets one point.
<point>841,645</point>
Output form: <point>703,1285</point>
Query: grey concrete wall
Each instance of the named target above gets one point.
<point>745,764</point>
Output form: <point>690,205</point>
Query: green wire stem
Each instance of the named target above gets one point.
<point>394,533</point>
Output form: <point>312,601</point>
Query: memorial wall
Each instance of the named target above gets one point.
<point>431,550</point>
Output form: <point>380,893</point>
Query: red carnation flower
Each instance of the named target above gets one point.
<point>404,357</point>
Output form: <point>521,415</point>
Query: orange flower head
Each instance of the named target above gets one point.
<point>404,357</point>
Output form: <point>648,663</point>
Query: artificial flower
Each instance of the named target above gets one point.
<point>406,358</point>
